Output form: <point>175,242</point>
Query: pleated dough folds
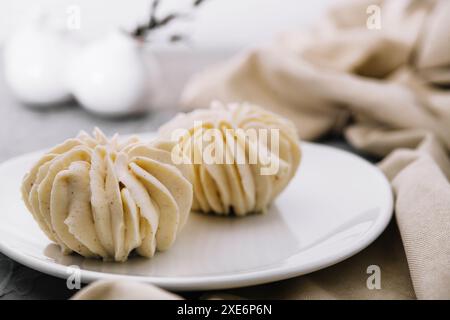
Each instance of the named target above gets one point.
<point>101,198</point>
<point>241,155</point>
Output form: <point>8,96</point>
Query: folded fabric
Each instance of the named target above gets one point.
<point>123,290</point>
<point>386,88</point>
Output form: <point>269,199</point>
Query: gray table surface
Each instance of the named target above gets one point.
<point>24,129</point>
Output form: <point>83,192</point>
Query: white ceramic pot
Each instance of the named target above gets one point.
<point>111,76</point>
<point>35,59</point>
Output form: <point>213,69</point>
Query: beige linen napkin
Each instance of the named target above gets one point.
<point>388,91</point>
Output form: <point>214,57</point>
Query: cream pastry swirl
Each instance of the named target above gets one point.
<point>101,198</point>
<point>242,182</point>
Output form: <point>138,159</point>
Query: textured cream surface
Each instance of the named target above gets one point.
<point>104,198</point>
<point>238,184</point>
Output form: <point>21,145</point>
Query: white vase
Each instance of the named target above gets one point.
<point>112,77</point>
<point>35,58</point>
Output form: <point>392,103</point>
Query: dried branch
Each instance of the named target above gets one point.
<point>154,22</point>
<point>198,3</point>
<point>177,38</point>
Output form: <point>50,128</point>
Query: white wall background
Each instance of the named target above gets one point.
<point>228,24</point>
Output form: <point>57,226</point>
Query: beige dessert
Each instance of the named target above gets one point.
<point>102,198</point>
<point>249,168</point>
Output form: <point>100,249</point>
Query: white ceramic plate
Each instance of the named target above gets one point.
<point>336,205</point>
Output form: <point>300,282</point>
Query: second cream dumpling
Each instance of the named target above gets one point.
<point>242,156</point>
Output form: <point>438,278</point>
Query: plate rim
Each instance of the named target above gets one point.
<point>229,281</point>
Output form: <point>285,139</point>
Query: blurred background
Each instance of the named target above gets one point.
<point>211,32</point>
<point>219,24</point>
